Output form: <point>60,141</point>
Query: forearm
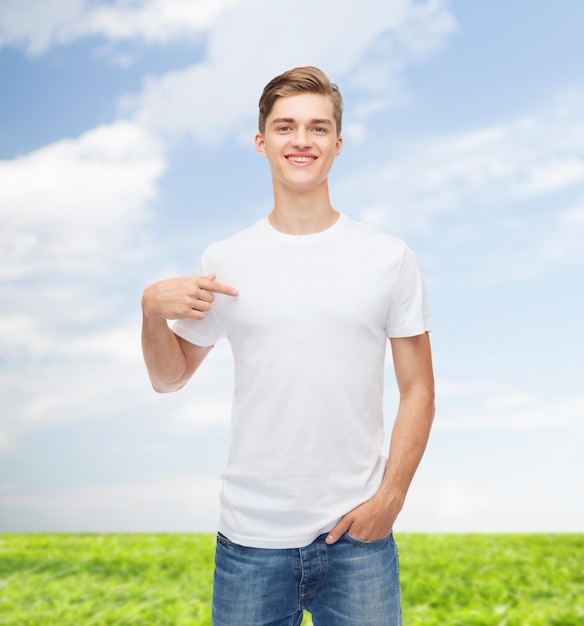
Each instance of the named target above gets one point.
<point>171,361</point>
<point>165,361</point>
<point>375,518</point>
<point>408,442</point>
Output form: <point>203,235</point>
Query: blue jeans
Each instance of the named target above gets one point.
<point>350,582</point>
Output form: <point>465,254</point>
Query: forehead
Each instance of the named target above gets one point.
<point>304,106</point>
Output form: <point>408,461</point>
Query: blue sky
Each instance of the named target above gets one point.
<point>126,146</point>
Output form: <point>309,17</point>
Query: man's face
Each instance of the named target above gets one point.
<point>300,141</point>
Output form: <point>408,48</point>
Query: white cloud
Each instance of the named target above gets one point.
<point>426,26</point>
<point>515,400</point>
<point>60,389</point>
<point>94,371</point>
<point>155,21</point>
<point>45,23</point>
<point>17,328</point>
<point>120,344</point>
<point>37,24</point>
<point>68,205</point>
<point>493,167</point>
<point>511,190</point>
<point>455,388</point>
<point>191,417</point>
<point>175,505</point>
<point>256,39</point>
<point>72,217</point>
<point>572,217</point>
<point>363,45</point>
<point>501,505</point>
<point>518,412</point>
<point>563,241</point>
<point>552,175</point>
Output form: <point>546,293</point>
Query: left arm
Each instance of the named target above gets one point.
<point>374,519</point>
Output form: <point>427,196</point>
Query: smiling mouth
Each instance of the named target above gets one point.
<point>301,159</point>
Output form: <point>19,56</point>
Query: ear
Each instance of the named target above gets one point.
<point>260,144</point>
<point>338,146</point>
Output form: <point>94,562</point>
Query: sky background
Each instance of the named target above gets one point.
<point>126,146</point>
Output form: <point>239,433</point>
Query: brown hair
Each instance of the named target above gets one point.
<point>297,81</point>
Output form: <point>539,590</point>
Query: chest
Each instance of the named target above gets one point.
<point>301,292</point>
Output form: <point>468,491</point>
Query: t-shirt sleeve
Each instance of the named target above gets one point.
<point>205,332</point>
<point>409,312</point>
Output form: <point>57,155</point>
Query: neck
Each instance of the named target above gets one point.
<point>302,213</point>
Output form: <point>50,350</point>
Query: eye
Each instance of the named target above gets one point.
<point>284,129</point>
<point>320,129</point>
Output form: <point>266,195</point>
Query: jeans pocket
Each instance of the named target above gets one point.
<point>363,542</point>
<point>222,539</point>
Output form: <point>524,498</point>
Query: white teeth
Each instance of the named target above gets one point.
<point>300,159</point>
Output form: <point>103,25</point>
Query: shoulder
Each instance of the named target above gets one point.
<point>370,236</point>
<point>244,238</point>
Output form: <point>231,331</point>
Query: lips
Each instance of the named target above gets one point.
<point>301,159</point>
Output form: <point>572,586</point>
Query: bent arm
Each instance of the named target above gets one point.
<point>170,360</point>
<point>415,379</point>
<point>375,518</point>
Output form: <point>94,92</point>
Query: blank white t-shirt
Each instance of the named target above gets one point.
<point>309,332</point>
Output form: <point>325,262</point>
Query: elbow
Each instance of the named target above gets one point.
<point>162,382</point>
<point>158,388</point>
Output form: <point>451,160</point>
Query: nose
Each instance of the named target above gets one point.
<point>301,138</point>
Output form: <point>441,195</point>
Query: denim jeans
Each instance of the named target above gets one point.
<point>350,582</point>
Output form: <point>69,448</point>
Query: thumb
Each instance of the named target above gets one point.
<point>339,530</point>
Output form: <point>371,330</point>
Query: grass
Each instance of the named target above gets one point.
<point>492,580</point>
<point>164,580</point>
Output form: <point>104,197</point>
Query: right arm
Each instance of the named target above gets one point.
<point>171,360</point>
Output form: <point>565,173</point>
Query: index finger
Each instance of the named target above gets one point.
<point>215,287</point>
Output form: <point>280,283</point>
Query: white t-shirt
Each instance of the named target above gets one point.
<point>309,332</point>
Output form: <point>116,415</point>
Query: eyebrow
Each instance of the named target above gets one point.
<point>291,120</point>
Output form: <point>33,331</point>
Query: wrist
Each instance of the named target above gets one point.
<point>391,497</point>
<point>149,312</point>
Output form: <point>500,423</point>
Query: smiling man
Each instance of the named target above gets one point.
<point>307,298</point>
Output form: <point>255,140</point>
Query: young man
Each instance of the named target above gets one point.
<point>307,297</point>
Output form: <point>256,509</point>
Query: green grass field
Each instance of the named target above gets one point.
<point>164,580</point>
